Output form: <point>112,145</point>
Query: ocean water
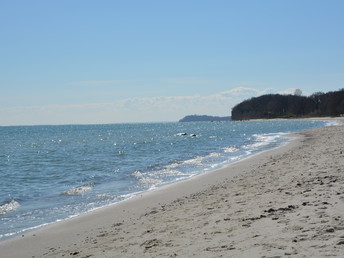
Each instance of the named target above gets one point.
<point>51,173</point>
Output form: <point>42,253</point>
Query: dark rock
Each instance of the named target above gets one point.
<point>330,230</point>
<point>271,210</point>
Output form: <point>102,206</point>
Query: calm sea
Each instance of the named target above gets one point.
<point>50,173</point>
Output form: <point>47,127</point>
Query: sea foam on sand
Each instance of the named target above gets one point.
<point>284,202</point>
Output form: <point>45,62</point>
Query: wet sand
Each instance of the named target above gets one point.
<point>284,202</point>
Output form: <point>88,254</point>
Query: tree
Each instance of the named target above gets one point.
<point>298,92</point>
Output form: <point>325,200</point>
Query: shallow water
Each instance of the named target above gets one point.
<point>50,173</point>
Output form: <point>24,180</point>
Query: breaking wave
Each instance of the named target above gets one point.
<point>79,190</point>
<point>9,206</point>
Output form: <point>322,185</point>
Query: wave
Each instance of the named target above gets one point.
<point>178,170</point>
<point>158,175</point>
<point>230,149</point>
<point>261,140</point>
<point>9,206</point>
<point>79,190</point>
<point>333,123</point>
<point>146,180</point>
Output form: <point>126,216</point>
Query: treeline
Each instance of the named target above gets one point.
<point>290,106</point>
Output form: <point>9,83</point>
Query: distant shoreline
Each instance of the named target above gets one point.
<point>205,118</point>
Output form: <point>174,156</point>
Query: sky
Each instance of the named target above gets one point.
<point>95,62</point>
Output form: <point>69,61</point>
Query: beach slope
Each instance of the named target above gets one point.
<point>284,202</point>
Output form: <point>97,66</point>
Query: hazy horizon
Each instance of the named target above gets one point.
<point>104,62</point>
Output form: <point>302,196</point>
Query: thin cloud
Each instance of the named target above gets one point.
<point>153,109</point>
<point>218,103</point>
<point>244,91</point>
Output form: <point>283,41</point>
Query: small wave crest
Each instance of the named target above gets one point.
<point>175,171</point>
<point>333,123</point>
<point>9,206</point>
<point>79,190</point>
<point>264,139</point>
<point>230,149</point>
<point>262,142</point>
<point>136,173</point>
<point>146,180</point>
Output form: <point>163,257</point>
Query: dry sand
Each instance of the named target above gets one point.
<point>285,202</point>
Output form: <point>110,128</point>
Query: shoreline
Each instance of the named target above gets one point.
<point>111,231</point>
<point>133,195</point>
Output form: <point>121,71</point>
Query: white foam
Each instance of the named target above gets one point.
<point>181,134</point>
<point>263,140</point>
<point>333,123</point>
<point>10,206</point>
<point>78,190</point>
<point>230,149</point>
<point>213,154</point>
<point>173,165</point>
<point>136,174</point>
<point>195,161</point>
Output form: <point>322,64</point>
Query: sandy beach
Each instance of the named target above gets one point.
<point>288,202</point>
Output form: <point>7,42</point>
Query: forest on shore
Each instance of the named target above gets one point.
<point>270,106</point>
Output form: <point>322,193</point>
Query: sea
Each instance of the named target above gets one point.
<point>52,173</point>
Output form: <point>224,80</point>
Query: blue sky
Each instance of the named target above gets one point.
<point>81,61</point>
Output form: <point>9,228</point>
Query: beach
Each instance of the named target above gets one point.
<point>283,202</point>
